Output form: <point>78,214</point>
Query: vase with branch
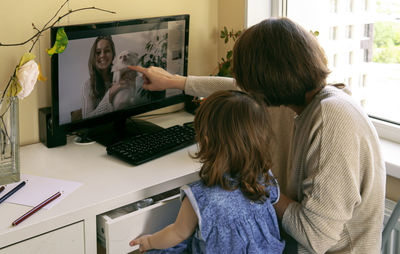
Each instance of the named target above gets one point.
<point>20,85</point>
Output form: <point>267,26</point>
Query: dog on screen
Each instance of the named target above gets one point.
<point>126,77</point>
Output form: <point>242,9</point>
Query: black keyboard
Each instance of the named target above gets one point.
<point>149,146</point>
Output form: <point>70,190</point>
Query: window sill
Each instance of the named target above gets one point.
<point>391,154</point>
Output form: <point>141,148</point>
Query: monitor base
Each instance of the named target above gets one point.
<point>121,129</point>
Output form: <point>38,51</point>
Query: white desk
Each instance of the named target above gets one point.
<point>108,183</point>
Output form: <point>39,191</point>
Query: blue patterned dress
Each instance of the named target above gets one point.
<point>228,222</point>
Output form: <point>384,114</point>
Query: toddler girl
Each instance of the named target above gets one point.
<point>230,210</point>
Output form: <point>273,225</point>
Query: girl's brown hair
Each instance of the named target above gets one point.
<point>233,133</point>
<point>280,61</point>
<point>97,83</point>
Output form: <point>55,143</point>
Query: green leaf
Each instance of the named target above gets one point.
<point>229,54</point>
<point>60,44</point>
<point>15,87</point>
<point>26,58</point>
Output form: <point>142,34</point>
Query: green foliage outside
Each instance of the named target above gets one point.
<point>386,42</point>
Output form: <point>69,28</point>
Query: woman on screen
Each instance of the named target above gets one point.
<point>98,91</point>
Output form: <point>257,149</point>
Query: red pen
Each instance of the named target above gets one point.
<point>35,209</point>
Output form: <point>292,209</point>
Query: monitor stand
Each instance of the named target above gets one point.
<point>118,130</point>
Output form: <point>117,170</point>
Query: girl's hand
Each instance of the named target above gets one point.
<point>158,79</point>
<point>143,241</point>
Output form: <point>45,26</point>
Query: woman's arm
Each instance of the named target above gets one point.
<point>184,226</point>
<point>156,79</point>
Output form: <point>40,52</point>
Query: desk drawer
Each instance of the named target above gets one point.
<point>65,240</point>
<point>115,229</point>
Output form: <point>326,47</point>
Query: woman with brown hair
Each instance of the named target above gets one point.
<point>331,172</point>
<point>231,207</point>
<point>98,91</point>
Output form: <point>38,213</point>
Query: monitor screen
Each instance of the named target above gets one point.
<point>91,84</point>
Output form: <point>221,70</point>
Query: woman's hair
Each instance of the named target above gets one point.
<point>280,61</point>
<point>97,83</point>
<point>233,133</point>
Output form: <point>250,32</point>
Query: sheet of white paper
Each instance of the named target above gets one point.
<point>37,189</point>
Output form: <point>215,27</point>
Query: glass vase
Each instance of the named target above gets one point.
<point>9,141</point>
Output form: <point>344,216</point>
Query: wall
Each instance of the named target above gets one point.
<point>15,26</point>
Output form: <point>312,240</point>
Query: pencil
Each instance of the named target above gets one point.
<point>16,188</point>
<point>35,209</point>
<point>2,188</point>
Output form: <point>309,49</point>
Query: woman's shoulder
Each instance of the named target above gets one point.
<point>334,98</point>
<point>341,109</point>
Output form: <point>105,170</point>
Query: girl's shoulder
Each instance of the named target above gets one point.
<point>205,195</point>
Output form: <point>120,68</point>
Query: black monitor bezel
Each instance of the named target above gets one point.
<point>121,114</point>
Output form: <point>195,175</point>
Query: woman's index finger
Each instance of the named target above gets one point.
<point>137,68</point>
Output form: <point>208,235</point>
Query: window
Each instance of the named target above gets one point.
<point>371,42</point>
<point>365,6</point>
<point>364,80</point>
<point>334,6</point>
<point>256,11</point>
<point>350,82</point>
<point>349,4</point>
<point>335,60</point>
<point>333,33</point>
<point>366,55</point>
<point>349,31</point>
<point>351,55</point>
<point>368,30</point>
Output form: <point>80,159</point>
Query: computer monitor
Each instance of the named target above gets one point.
<point>84,74</point>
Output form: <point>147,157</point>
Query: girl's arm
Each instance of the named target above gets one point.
<point>181,229</point>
